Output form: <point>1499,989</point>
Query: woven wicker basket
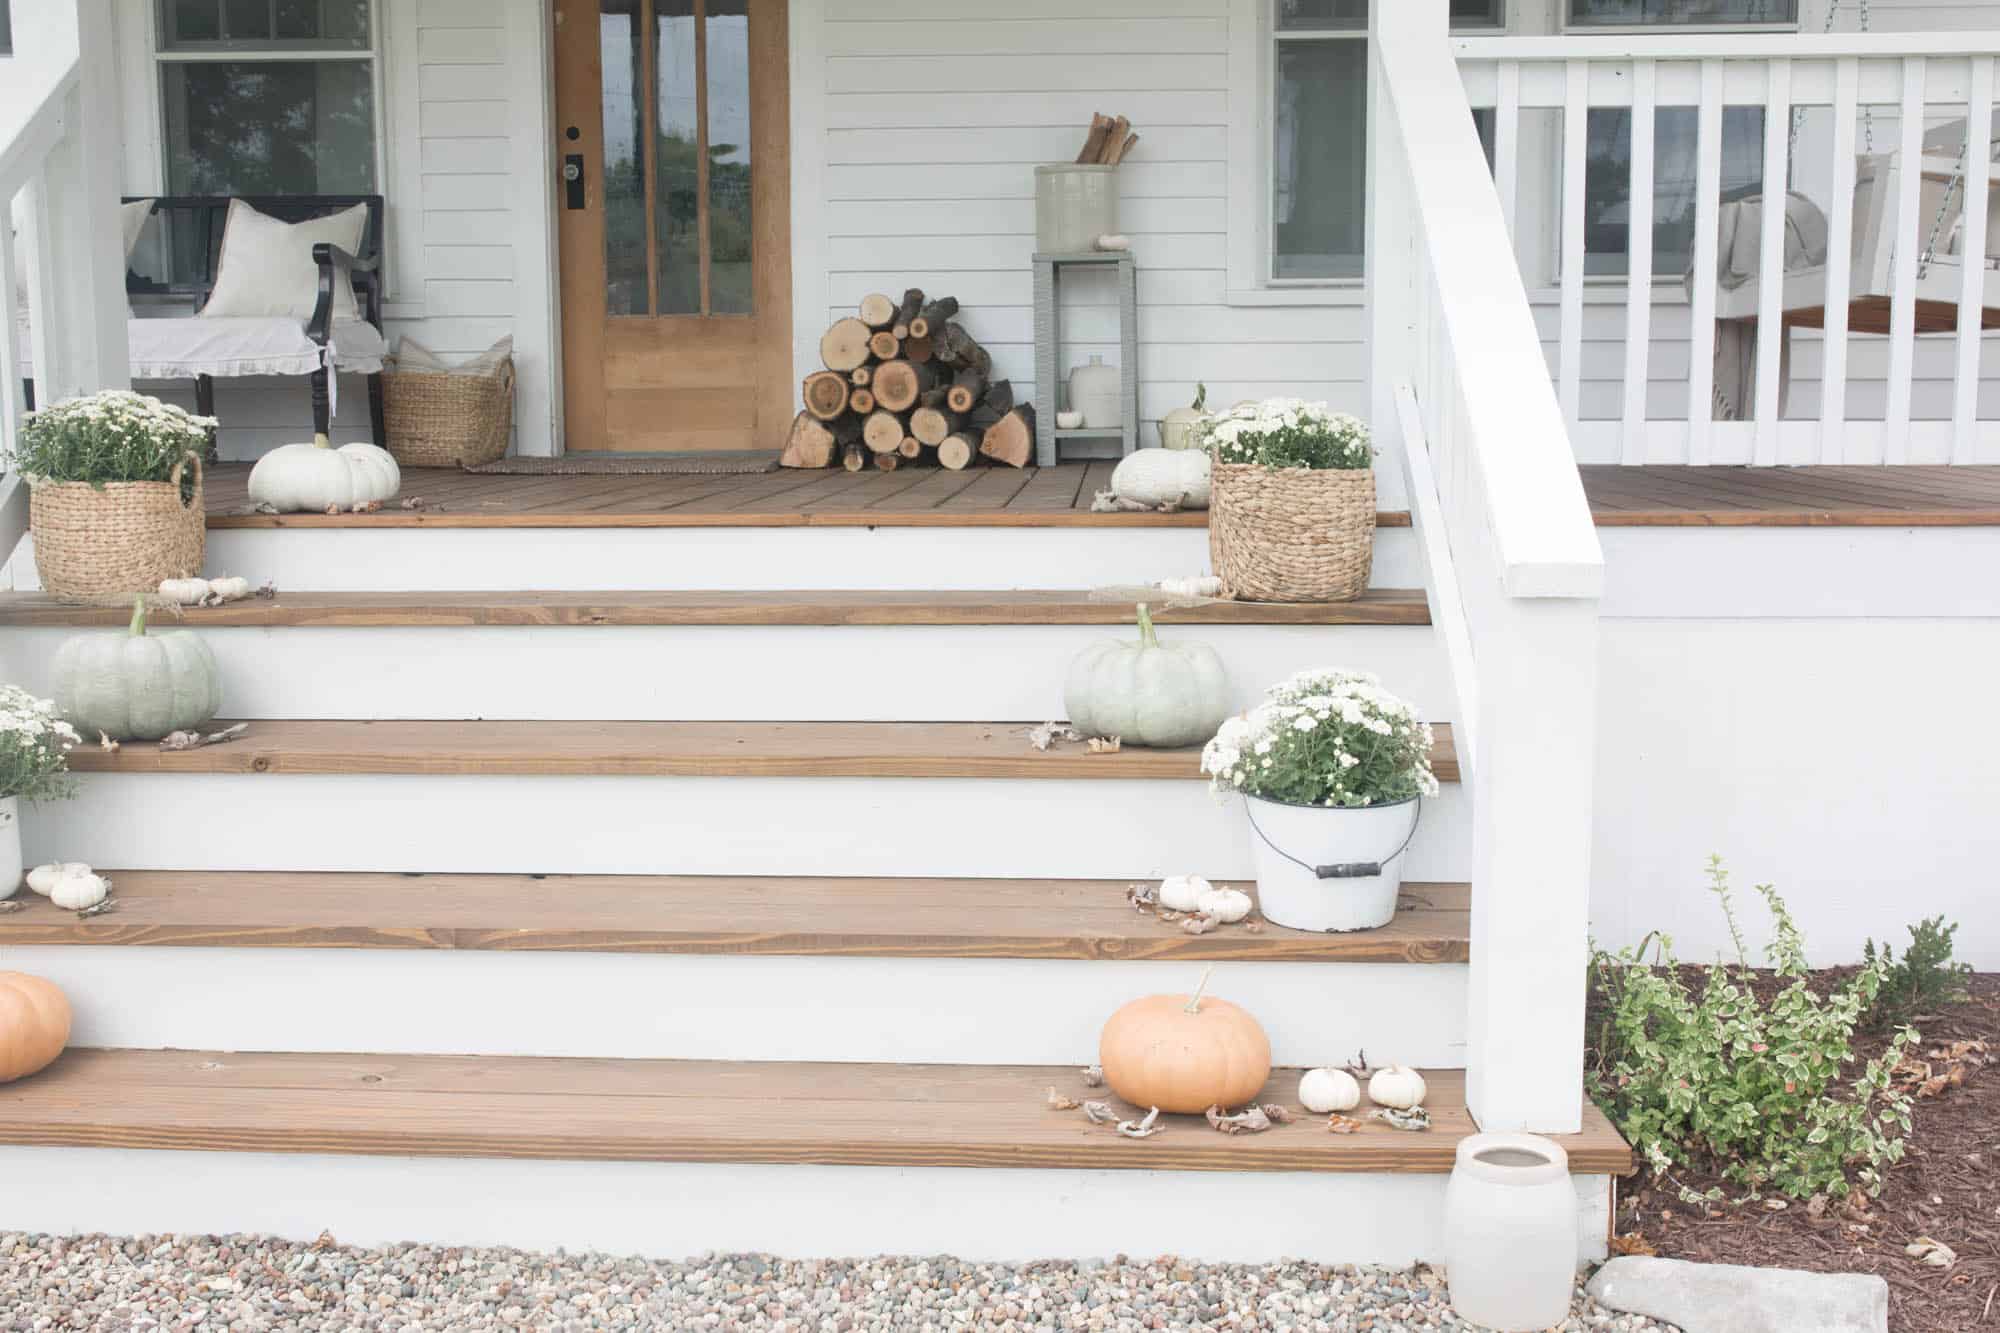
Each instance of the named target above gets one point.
<point>1292,534</point>
<point>92,543</point>
<point>435,420</point>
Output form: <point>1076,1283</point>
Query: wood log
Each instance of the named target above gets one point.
<point>883,432</point>
<point>885,346</point>
<point>860,375</point>
<point>912,306</point>
<point>1093,142</point>
<point>927,324</point>
<point>809,444</point>
<point>845,345</point>
<point>889,462</point>
<point>999,398</point>
<point>855,457</point>
<point>898,384</point>
<point>957,451</point>
<point>862,401</point>
<point>911,447</point>
<point>955,347</point>
<point>919,350</point>
<point>877,310</point>
<point>1122,151</point>
<point>968,386</point>
<point>825,394</point>
<point>1114,142</point>
<point>1011,439</point>
<point>930,425</point>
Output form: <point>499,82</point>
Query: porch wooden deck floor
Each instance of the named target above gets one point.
<point>686,1111</point>
<point>1060,497</point>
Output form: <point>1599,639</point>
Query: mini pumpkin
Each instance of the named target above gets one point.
<point>1182,893</point>
<point>80,889</point>
<point>1398,1087</point>
<point>316,477</point>
<point>34,1024</point>
<point>1147,693</point>
<point>1324,1090</point>
<point>1184,1053</point>
<point>1183,478</point>
<point>1226,905</point>
<point>135,685</point>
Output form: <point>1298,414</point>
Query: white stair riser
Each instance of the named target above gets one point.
<point>701,1007</point>
<point>730,673</point>
<point>346,559</point>
<point>678,1210</point>
<point>975,827</point>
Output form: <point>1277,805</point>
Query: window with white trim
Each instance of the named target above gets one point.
<point>6,30</point>
<point>268,96</point>
<point>1584,14</point>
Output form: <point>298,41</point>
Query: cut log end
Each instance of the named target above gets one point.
<point>884,346</point>
<point>810,443</point>
<point>825,394</point>
<point>845,345</point>
<point>877,310</point>
<point>911,447</point>
<point>918,350</point>
<point>1011,439</point>
<point>862,401</point>
<point>931,425</point>
<point>889,462</point>
<point>883,432</point>
<point>860,375</point>
<point>855,458</point>
<point>957,451</point>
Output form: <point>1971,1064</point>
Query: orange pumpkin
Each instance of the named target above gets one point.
<point>34,1024</point>
<point>1184,1053</point>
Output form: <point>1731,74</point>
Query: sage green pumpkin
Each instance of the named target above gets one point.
<point>1147,693</point>
<point>135,686</point>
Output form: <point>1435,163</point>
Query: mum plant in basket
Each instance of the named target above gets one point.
<point>1292,517</point>
<point>34,765</point>
<point>1332,769</point>
<point>115,493</point>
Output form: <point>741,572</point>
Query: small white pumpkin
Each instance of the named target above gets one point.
<point>1326,1090</point>
<point>184,592</point>
<point>1181,428</point>
<point>229,590</point>
<point>1183,893</point>
<point>312,478</point>
<point>74,892</point>
<point>1147,693</point>
<point>43,879</point>
<point>1154,477</point>
<point>1226,905</point>
<point>1398,1087</point>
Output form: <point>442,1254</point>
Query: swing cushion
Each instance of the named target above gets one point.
<point>1739,249</point>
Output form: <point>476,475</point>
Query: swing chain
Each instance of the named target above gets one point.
<point>1929,252</point>
<point>1867,108</point>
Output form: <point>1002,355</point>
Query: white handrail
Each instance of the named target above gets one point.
<point>1655,45</point>
<point>1513,567</point>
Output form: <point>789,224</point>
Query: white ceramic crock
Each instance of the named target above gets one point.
<point>1292,841</point>
<point>1510,1232</point>
<point>10,846</point>
<point>1093,391</point>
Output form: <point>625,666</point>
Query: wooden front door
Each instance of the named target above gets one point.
<point>675,225</point>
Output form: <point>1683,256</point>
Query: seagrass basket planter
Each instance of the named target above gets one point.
<point>447,420</point>
<point>94,542</point>
<point>1292,534</point>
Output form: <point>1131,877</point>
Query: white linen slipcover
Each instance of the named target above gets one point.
<point>182,348</point>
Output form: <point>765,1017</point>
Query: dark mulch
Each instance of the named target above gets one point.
<point>1947,1188</point>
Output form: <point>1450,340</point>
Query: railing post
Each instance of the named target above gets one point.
<point>1391,266</point>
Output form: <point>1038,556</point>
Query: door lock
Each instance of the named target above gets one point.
<point>572,174</point>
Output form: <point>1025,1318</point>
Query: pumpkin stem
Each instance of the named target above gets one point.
<point>321,442</point>
<point>1200,397</point>
<point>1147,638</point>
<point>1194,1000</point>
<point>138,615</point>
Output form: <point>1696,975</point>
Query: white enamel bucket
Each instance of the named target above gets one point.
<point>1330,869</point>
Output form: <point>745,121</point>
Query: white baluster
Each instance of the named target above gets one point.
<point>1507,145</point>
<point>1972,259</point>
<point>1576,113</point>
<point>1771,256</point>
<point>1839,266</point>
<point>1707,211</point>
<point>1639,271</point>
<point>1903,281</point>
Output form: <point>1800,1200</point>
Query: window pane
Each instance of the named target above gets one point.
<point>1584,13</point>
<point>1307,15</point>
<point>1478,13</point>
<point>270,127</point>
<point>246,20</point>
<point>624,170</point>
<point>1319,156</point>
<point>193,21</point>
<point>677,197</point>
<point>729,287</point>
<point>1608,173</point>
<point>6,29</point>
<point>337,24</point>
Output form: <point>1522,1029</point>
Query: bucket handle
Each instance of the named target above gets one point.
<point>1341,869</point>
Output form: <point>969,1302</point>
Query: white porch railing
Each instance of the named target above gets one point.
<point>1460,388</point>
<point>1887,253</point>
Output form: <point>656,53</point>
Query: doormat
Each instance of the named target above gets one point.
<point>711,463</point>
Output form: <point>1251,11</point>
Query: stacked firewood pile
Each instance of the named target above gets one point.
<point>904,384</point>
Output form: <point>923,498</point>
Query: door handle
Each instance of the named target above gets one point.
<point>572,174</point>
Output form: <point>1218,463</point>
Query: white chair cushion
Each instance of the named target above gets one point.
<point>267,266</point>
<point>179,349</point>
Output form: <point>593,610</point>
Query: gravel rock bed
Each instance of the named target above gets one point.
<point>254,1282</point>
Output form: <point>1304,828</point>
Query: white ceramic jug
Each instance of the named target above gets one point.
<point>1093,391</point>
<point>1510,1232</point>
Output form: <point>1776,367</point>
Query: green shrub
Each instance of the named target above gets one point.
<point>1924,981</point>
<point>1713,1077</point>
<point>116,435</point>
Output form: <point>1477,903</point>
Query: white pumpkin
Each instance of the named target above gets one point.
<point>1326,1090</point>
<point>1181,428</point>
<point>1398,1087</point>
<point>1153,477</point>
<point>74,892</point>
<point>43,879</point>
<point>1183,893</point>
<point>1226,905</point>
<point>312,478</point>
<point>1147,693</point>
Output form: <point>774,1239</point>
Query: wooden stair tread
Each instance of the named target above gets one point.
<point>683,1111</point>
<point>672,749</point>
<point>884,918</point>
<point>1378,606</point>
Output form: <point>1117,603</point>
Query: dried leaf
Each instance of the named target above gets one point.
<point>267,592</point>
<point>1632,1243</point>
<point>1143,897</point>
<point>1048,733</point>
<point>1415,1119</point>
<point>415,502</point>
<point>105,904</point>
<point>333,510</point>
<point>1816,1206</point>
<point>10,905</point>
<point>1199,925</point>
<point>1103,744</point>
<point>1059,1102</point>
<point>1342,1124</point>
<point>195,740</point>
<point>366,507</point>
<point>106,744</point>
<point>1932,1253</point>
<point>1279,1115</point>
<point>1250,1121</point>
<point>1142,1129</point>
<point>1100,1113</point>
<point>1358,1066</point>
<point>1092,1075</point>
<point>1775,1205</point>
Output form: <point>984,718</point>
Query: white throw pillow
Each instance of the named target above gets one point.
<point>131,218</point>
<point>413,355</point>
<point>267,267</point>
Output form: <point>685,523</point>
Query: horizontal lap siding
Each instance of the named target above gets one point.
<point>935,117</point>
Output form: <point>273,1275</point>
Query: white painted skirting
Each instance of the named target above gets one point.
<point>660,1006</point>
<point>681,1210</point>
